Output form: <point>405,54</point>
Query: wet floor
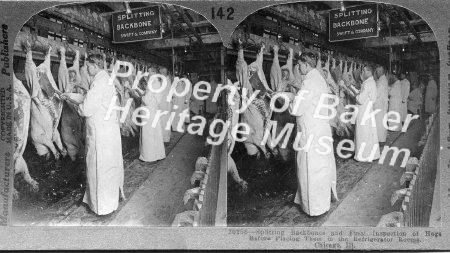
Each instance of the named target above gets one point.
<point>272,185</point>
<point>61,185</point>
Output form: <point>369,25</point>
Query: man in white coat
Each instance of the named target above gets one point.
<point>104,162</point>
<point>366,137</point>
<point>395,104</point>
<point>151,143</point>
<point>431,94</point>
<point>382,103</point>
<point>405,85</point>
<point>165,106</point>
<point>316,167</point>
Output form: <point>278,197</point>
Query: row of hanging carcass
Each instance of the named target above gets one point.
<point>54,125</point>
<point>415,178</point>
<point>259,113</point>
<point>339,73</point>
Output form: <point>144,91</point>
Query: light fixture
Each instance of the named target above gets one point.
<point>127,6</point>
<point>342,6</point>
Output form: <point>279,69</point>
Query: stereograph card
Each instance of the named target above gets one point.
<point>314,125</point>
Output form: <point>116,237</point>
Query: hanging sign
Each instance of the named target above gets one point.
<point>141,24</point>
<point>354,23</point>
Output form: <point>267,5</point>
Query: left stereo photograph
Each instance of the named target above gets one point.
<point>119,117</point>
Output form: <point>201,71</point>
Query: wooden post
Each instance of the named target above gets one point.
<point>222,65</point>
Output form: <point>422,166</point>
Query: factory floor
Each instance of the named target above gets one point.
<point>364,190</point>
<point>371,196</point>
<point>154,191</point>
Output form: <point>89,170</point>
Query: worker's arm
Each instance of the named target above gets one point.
<point>302,100</point>
<point>92,100</point>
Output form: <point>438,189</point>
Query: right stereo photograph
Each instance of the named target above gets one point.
<point>334,112</point>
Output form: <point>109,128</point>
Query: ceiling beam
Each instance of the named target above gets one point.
<point>180,42</point>
<point>82,16</point>
<point>396,40</point>
<point>290,15</point>
<point>189,24</point>
<point>408,24</point>
<point>393,17</point>
<point>115,6</point>
<point>174,19</point>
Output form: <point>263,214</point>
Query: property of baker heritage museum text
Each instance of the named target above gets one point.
<point>138,114</point>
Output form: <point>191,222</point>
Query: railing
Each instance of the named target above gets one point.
<point>209,192</point>
<point>214,210</point>
<point>416,206</point>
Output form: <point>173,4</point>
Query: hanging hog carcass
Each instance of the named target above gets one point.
<point>264,123</point>
<point>46,106</point>
<point>258,113</point>
<point>126,94</point>
<point>22,110</point>
<point>72,129</point>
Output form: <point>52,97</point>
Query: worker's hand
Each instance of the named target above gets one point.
<point>353,90</point>
<point>296,84</point>
<point>64,96</point>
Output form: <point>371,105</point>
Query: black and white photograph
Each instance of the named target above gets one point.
<point>338,109</point>
<point>225,125</point>
<point>111,127</point>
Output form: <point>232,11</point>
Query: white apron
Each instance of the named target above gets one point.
<point>405,86</point>
<point>316,173</point>
<point>180,104</point>
<point>104,163</point>
<point>395,104</point>
<point>165,106</point>
<point>366,132</point>
<point>381,103</point>
<point>151,143</point>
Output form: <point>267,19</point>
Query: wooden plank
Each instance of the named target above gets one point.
<point>181,42</point>
<point>222,165</point>
<point>397,40</point>
<point>199,24</point>
<point>207,213</point>
<point>221,210</point>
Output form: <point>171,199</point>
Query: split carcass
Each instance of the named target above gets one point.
<point>256,115</point>
<point>22,104</point>
<point>46,107</point>
<point>72,130</point>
